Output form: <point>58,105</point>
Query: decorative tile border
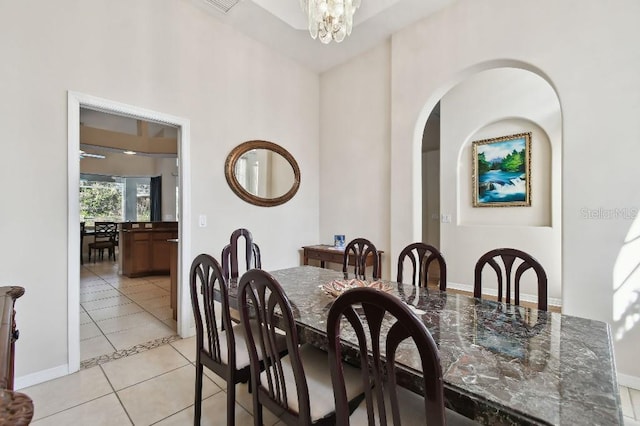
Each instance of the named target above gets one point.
<point>122,353</point>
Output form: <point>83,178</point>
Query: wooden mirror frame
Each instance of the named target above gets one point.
<point>230,165</point>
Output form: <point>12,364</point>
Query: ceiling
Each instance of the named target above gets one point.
<point>282,25</point>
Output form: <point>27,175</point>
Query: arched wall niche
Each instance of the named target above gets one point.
<point>493,99</point>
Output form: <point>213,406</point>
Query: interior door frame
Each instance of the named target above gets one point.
<point>76,101</point>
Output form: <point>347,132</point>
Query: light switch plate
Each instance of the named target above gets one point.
<point>202,221</point>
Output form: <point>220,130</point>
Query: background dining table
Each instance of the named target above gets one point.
<point>502,364</point>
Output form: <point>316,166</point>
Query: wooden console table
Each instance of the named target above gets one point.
<point>326,253</point>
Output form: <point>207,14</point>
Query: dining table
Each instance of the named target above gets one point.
<point>502,364</point>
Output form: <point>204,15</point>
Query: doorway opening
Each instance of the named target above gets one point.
<point>130,198</point>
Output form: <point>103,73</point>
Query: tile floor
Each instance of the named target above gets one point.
<point>117,313</point>
<point>153,385</point>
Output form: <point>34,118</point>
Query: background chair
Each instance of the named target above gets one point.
<point>287,380</point>
<point>224,350</point>
<point>502,261</point>
<point>421,256</point>
<point>360,248</point>
<point>104,238</point>
<point>230,268</point>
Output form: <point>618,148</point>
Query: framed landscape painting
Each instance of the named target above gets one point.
<point>501,171</point>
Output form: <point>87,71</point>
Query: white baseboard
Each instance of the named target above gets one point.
<point>494,292</point>
<point>40,376</point>
<point>632,382</point>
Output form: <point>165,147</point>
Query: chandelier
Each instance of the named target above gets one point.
<point>330,19</point>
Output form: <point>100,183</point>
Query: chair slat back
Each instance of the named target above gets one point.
<point>421,256</point>
<point>206,280</point>
<point>105,231</point>
<point>230,264</point>
<point>264,305</point>
<point>358,249</point>
<point>502,261</point>
<point>388,322</point>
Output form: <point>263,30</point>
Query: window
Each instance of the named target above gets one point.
<point>114,199</point>
<point>101,199</point>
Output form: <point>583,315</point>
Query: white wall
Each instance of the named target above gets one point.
<point>354,160</point>
<point>162,55</point>
<point>495,103</point>
<point>586,50</point>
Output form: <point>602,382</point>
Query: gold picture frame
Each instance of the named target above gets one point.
<point>502,171</point>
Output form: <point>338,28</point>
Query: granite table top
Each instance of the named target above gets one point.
<point>502,364</point>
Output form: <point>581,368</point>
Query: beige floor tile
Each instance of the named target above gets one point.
<point>104,411</point>
<point>99,295</point>
<point>187,347</point>
<point>164,285</point>
<point>138,288</point>
<point>162,313</point>
<point>93,286</point>
<point>105,303</point>
<point>635,402</point>
<point>115,311</point>
<point>68,391</point>
<point>125,322</point>
<point>89,331</point>
<point>84,317</point>
<point>129,338</point>
<point>163,396</point>
<point>143,366</point>
<point>171,323</point>
<point>87,276</point>
<point>244,398</point>
<point>156,302</point>
<point>214,411</point>
<point>153,293</point>
<point>125,283</point>
<point>97,346</point>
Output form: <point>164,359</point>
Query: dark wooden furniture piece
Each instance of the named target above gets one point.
<point>360,249</point>
<point>422,256</point>
<point>230,267</point>
<point>326,253</point>
<point>287,381</point>
<point>15,408</point>
<point>366,309</point>
<point>104,238</point>
<point>494,360</point>
<point>145,248</point>
<point>224,350</point>
<point>502,261</point>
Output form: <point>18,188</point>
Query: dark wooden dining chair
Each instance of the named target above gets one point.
<point>421,256</point>
<point>358,250</point>
<point>502,261</point>
<point>104,237</point>
<point>295,386</point>
<point>230,266</point>
<point>220,345</point>
<point>382,322</point>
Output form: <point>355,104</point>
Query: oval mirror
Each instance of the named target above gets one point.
<point>262,173</point>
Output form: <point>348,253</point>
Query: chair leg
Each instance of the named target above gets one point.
<point>257,410</point>
<point>198,395</point>
<point>231,403</point>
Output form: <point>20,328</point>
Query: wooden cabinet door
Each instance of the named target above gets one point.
<point>161,252</point>
<point>140,255</point>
